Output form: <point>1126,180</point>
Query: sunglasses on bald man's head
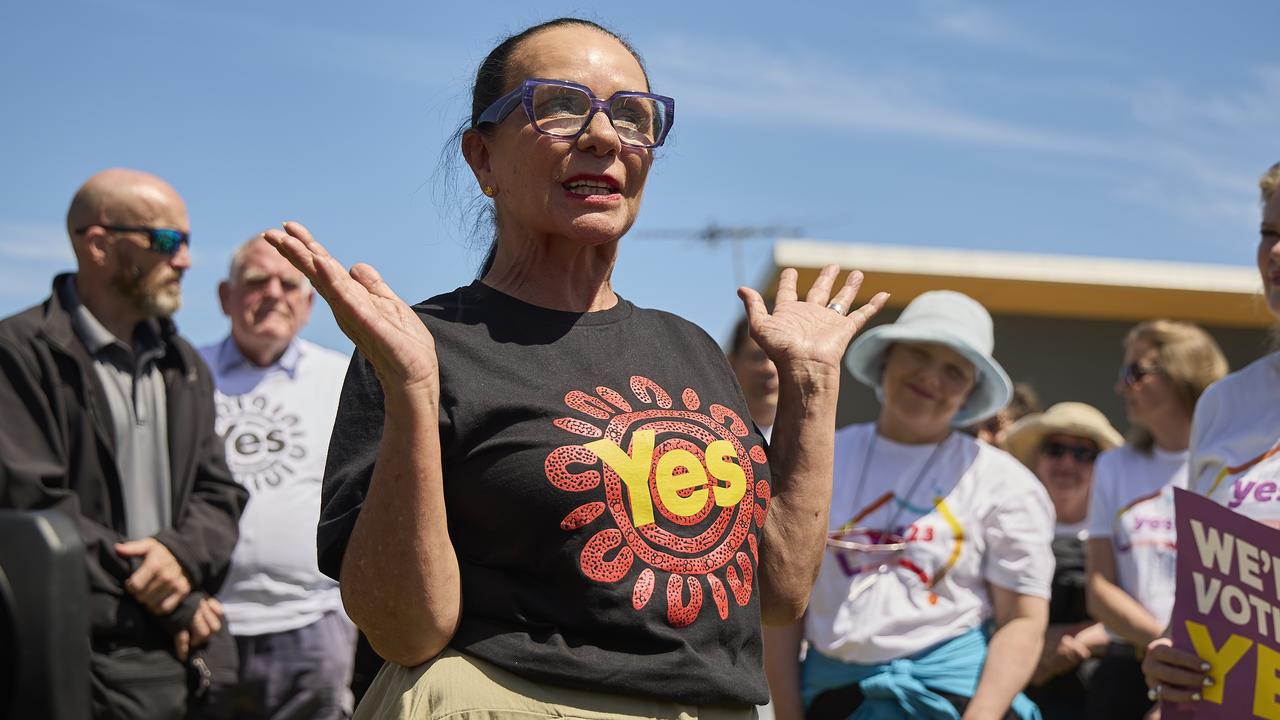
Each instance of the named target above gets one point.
<point>165,241</point>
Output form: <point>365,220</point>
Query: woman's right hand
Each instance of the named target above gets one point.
<point>1062,652</point>
<point>383,327</point>
<point>1175,675</point>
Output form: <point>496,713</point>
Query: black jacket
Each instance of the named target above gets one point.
<point>57,451</point>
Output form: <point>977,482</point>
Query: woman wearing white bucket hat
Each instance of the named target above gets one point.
<point>933,533</point>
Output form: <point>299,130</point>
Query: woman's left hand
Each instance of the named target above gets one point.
<point>1174,675</point>
<point>812,333</point>
<point>806,340</point>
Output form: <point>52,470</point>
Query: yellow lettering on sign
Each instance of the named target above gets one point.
<point>633,469</point>
<point>722,461</point>
<point>1220,660</point>
<point>1267,684</point>
<point>670,483</point>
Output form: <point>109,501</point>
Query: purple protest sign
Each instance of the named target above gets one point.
<point>1227,609</point>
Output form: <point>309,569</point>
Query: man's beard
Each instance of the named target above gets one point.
<point>151,296</point>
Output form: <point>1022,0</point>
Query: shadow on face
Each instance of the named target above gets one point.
<point>758,377</point>
<point>925,384</point>
<point>1065,467</point>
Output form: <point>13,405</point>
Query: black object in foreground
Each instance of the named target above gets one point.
<point>44,618</point>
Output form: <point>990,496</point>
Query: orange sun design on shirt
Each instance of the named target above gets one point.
<point>675,488</point>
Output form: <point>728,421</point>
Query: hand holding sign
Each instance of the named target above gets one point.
<point>1226,618</point>
<point>1174,675</point>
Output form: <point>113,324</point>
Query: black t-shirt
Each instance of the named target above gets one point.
<point>1067,604</point>
<point>1066,692</point>
<point>605,491</point>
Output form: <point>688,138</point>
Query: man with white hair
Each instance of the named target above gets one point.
<point>277,396</point>
<point>108,418</point>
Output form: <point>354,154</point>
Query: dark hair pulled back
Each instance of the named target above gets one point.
<point>491,83</point>
<point>491,77</point>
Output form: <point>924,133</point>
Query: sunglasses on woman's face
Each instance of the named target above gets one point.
<point>1132,373</point>
<point>1081,453</point>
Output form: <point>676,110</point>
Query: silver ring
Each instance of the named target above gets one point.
<point>1153,694</point>
<point>837,307</point>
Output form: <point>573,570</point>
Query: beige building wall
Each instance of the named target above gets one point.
<point>1059,321</point>
<point>1063,359</point>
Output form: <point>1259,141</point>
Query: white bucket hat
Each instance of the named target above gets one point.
<point>948,318</point>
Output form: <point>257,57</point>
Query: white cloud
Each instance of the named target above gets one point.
<point>30,255</point>
<point>1249,110</point>
<point>414,64</point>
<point>771,88</point>
<point>974,25</point>
<point>1202,206</point>
<point>1171,156</point>
<point>1205,142</point>
<point>35,242</point>
<point>970,23</point>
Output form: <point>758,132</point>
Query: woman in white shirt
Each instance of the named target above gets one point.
<point>934,533</point>
<point>1061,446</point>
<point>1132,545</point>
<point>1233,451</point>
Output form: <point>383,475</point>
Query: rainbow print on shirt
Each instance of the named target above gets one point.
<point>935,524</point>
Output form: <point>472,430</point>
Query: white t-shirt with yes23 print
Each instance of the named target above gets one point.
<point>975,516</point>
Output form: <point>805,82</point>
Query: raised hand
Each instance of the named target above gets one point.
<point>383,327</point>
<point>814,331</point>
<point>806,340</point>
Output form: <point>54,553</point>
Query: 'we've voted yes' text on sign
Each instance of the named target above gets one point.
<point>1227,609</point>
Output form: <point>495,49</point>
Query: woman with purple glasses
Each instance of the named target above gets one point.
<point>541,499</point>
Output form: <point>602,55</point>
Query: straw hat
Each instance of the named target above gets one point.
<point>944,317</point>
<point>1067,418</point>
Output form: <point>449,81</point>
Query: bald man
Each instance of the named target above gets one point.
<point>109,418</point>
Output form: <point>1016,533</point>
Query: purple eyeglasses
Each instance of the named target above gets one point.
<point>564,109</point>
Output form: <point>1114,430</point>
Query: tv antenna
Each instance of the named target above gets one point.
<point>713,234</point>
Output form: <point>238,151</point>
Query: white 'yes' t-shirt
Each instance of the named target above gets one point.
<point>276,422</point>
<point>976,516</point>
<point>1131,504</point>
<point>1235,458</point>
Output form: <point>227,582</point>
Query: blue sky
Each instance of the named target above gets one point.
<point>1130,130</point>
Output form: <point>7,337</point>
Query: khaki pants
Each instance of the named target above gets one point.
<point>458,687</point>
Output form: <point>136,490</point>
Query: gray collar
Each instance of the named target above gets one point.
<point>97,338</point>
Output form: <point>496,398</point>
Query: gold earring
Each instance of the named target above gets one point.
<point>489,190</point>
